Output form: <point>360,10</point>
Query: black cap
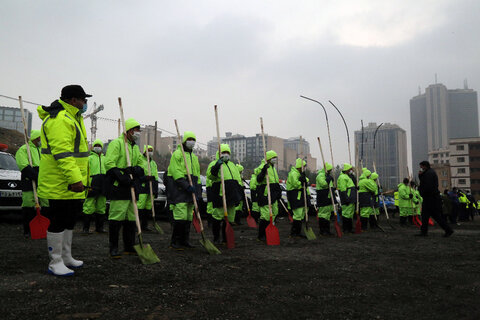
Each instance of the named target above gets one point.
<point>74,91</point>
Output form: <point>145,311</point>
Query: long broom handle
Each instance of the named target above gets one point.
<point>304,189</point>
<point>150,185</point>
<point>379,193</point>
<point>197,212</point>
<point>25,135</point>
<point>328,184</point>
<point>268,179</point>
<point>129,163</point>
<point>222,178</point>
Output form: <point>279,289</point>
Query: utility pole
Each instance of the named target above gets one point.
<point>93,117</point>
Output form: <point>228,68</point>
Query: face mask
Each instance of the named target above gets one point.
<point>84,109</point>
<point>136,135</point>
<point>225,157</point>
<point>273,161</point>
<point>190,144</point>
<point>150,154</point>
<point>421,169</point>
<point>97,149</point>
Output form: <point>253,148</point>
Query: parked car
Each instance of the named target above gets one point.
<point>389,202</point>
<point>10,184</point>
<point>161,200</point>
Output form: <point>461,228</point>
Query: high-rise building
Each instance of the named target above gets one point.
<point>439,115</point>
<point>11,118</point>
<point>389,154</point>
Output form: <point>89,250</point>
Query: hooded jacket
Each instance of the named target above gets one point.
<point>64,151</point>
<point>29,173</point>
<point>346,187</point>
<point>261,174</point>
<point>295,193</point>
<point>97,172</point>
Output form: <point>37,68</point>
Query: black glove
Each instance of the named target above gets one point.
<point>302,178</point>
<point>30,173</point>
<point>122,178</point>
<point>263,172</point>
<point>411,196</point>
<point>191,189</point>
<point>216,167</point>
<point>328,179</point>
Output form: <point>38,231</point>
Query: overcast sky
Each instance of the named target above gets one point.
<point>176,59</point>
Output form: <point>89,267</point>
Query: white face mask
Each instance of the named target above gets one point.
<point>150,154</point>
<point>136,135</point>
<point>273,160</point>
<point>190,144</point>
<point>97,149</point>
<point>225,157</point>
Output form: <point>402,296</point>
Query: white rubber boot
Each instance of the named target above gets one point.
<point>67,251</point>
<point>55,245</point>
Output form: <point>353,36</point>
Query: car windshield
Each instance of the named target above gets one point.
<point>7,162</point>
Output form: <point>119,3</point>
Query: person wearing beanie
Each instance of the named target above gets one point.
<point>348,196</point>
<point>324,182</point>
<point>295,185</point>
<point>144,200</point>
<point>366,193</point>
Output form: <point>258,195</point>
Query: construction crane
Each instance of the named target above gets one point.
<point>94,118</point>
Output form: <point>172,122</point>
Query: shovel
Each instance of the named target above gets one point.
<point>336,225</point>
<point>144,251</point>
<point>286,210</point>
<point>155,224</point>
<point>207,244</point>
<point>196,223</point>
<point>39,224</point>
<point>271,231</point>
<point>250,220</point>
<point>306,230</point>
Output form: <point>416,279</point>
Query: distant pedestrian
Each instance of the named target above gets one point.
<point>432,203</point>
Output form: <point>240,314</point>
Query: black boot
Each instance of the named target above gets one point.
<point>238,218</point>
<point>186,235</point>
<point>373,221</point>
<point>144,216</point>
<point>262,225</point>
<point>216,224</point>
<point>364,222</point>
<point>410,220</point>
<point>403,221</point>
<point>224,231</point>
<point>129,237</point>
<point>86,224</point>
<point>347,225</point>
<point>99,221</point>
<point>113,232</point>
<point>177,234</point>
<point>28,214</point>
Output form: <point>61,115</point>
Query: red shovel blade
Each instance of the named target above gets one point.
<point>290,217</point>
<point>230,235</point>
<point>417,222</point>
<point>273,237</point>
<point>337,228</point>
<point>430,222</point>
<point>358,226</point>
<point>251,221</point>
<point>196,224</point>
<point>39,226</point>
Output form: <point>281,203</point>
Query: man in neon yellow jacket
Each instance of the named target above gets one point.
<point>366,193</point>
<point>63,173</point>
<point>118,184</point>
<point>324,182</point>
<point>29,174</point>
<point>296,181</point>
<point>262,192</point>
<point>179,190</point>
<point>405,197</point>
<point>144,200</point>
<point>96,202</point>
<point>348,196</point>
<point>231,177</point>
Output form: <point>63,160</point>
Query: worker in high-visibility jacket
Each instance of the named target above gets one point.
<point>63,173</point>
<point>405,197</point>
<point>239,208</point>
<point>95,204</point>
<point>144,200</point>
<point>180,192</point>
<point>366,192</point>
<point>29,174</point>
<point>119,181</point>
<point>297,182</point>
<point>261,172</point>
<point>324,183</point>
<point>417,199</point>
<point>348,196</point>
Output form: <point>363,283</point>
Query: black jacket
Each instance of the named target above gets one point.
<point>428,184</point>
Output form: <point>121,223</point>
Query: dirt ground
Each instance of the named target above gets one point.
<point>368,276</point>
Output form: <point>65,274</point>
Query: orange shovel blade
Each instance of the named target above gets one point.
<point>39,226</point>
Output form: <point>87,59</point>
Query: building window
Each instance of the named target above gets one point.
<point>444,183</point>
<point>460,159</point>
<point>460,147</point>
<point>435,161</point>
<point>435,155</point>
<point>461,170</point>
<point>462,181</point>
<point>444,173</point>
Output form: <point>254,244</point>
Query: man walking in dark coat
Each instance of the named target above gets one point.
<point>432,203</point>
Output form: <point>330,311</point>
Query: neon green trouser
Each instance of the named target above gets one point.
<point>265,213</point>
<point>325,212</point>
<point>239,207</point>
<point>255,206</point>
<point>209,207</point>
<point>28,200</point>
<point>366,212</point>
<point>144,201</point>
<point>299,214</point>
<point>348,210</point>
<point>218,213</point>
<point>95,205</point>
<point>121,210</point>
<point>183,211</point>
<point>376,211</point>
<point>405,211</point>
